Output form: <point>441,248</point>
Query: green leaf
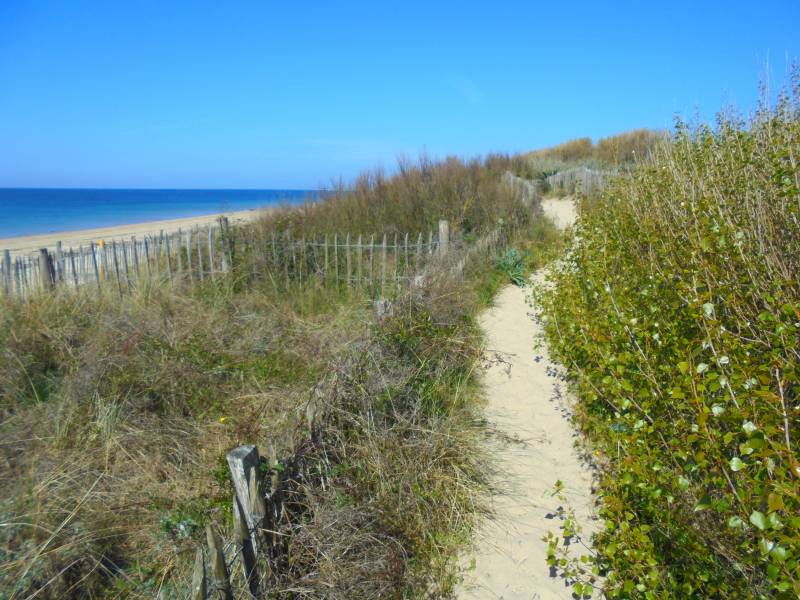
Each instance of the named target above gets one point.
<point>735,523</point>
<point>703,503</point>
<point>737,464</point>
<point>758,519</point>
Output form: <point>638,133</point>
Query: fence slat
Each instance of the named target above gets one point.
<point>221,583</point>
<point>125,265</point>
<point>199,591</point>
<point>245,546</point>
<point>347,275</point>
<point>383,266</point>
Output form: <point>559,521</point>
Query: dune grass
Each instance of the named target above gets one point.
<point>115,415</point>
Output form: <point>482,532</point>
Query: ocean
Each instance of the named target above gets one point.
<point>32,211</point>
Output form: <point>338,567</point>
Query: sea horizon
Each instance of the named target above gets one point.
<point>26,211</point>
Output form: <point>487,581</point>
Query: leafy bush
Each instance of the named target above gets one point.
<point>678,313</point>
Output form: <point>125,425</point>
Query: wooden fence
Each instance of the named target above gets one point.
<point>376,263</point>
<point>261,508</point>
<point>579,178</point>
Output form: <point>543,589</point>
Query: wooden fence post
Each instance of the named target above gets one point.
<point>336,256</point>
<point>347,261</point>
<point>74,270</point>
<point>125,265</point>
<point>199,591</point>
<point>200,256</point>
<point>247,551</point>
<point>168,251</point>
<point>59,270</point>
<point>7,272</point>
<point>211,252</point>
<point>360,259</point>
<point>325,268</point>
<point>94,264</point>
<point>371,262</point>
<point>241,461</point>
<point>383,265</point>
<point>116,265</point>
<point>179,253</point>
<point>219,570</point>
<point>444,236</point>
<point>189,254</point>
<point>47,276</point>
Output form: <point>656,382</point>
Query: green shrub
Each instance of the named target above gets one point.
<point>678,313</point>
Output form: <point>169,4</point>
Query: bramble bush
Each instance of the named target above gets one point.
<point>677,311</point>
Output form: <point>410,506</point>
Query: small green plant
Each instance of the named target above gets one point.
<point>512,264</point>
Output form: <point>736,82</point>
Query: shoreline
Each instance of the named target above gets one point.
<point>30,243</point>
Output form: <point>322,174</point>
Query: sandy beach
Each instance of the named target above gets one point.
<point>31,243</point>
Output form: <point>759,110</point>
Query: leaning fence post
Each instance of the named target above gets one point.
<point>125,265</point>
<point>241,461</point>
<point>199,577</point>
<point>244,542</point>
<point>116,265</point>
<point>46,273</point>
<point>444,236</point>
<point>221,579</point>
<point>211,252</point>
<point>59,263</point>
<point>74,270</point>
<point>7,272</point>
<point>94,265</point>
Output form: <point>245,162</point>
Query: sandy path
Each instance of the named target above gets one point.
<point>534,448</point>
<point>30,243</point>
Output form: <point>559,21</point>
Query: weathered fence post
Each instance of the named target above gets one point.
<point>336,256</point>
<point>59,263</point>
<point>7,272</point>
<point>325,268</point>
<point>116,265</point>
<point>241,461</point>
<point>47,276</point>
<point>94,264</point>
<point>179,253</point>
<point>211,252</point>
<point>135,246</point>
<point>74,270</point>
<point>383,265</point>
<point>360,260</point>
<point>169,259</point>
<point>189,254</point>
<point>247,551</point>
<point>125,265</point>
<point>200,255</point>
<point>347,261</point>
<point>219,570</point>
<point>444,236</point>
<point>199,577</point>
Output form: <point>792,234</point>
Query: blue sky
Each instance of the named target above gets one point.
<point>265,94</point>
